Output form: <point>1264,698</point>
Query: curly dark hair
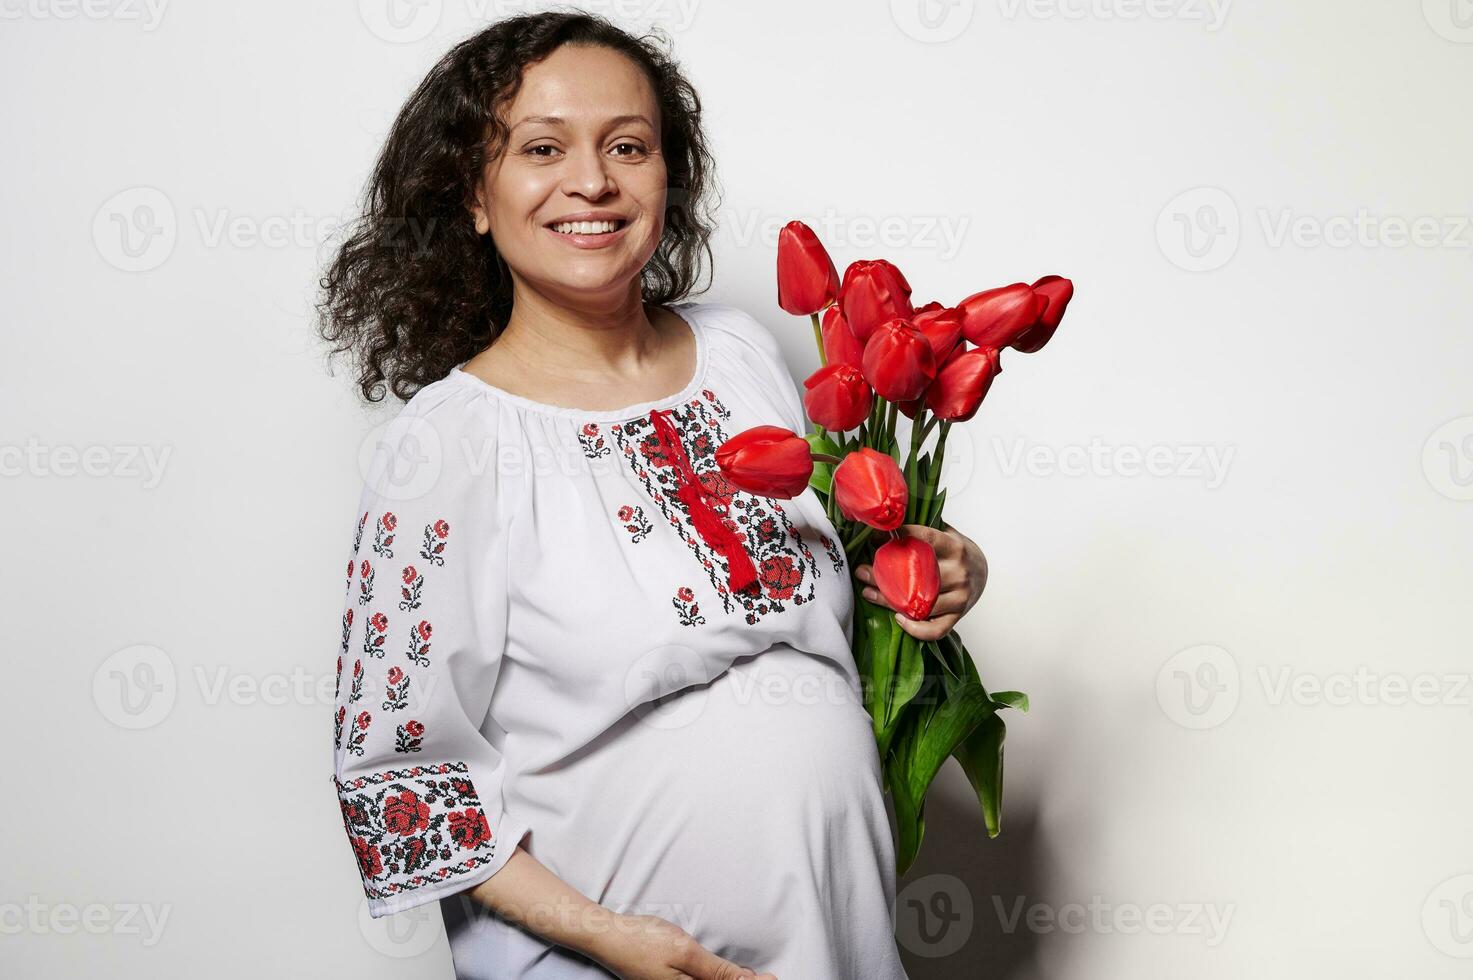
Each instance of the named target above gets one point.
<point>414,290</point>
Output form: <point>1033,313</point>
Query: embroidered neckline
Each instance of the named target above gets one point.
<point>709,523</point>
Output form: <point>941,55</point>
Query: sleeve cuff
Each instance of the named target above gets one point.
<point>422,833</point>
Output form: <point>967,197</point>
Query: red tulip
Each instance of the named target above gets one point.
<point>997,317</point>
<point>869,488</point>
<point>839,343</point>
<point>873,291</point>
<point>1058,291</point>
<point>898,362</point>
<point>962,383</point>
<point>806,278</point>
<point>837,397</point>
<point>907,575</point>
<point>942,327</point>
<point>767,460</point>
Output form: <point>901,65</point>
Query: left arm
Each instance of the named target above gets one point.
<point>963,577</point>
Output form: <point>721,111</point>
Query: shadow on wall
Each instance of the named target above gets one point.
<point>955,908</point>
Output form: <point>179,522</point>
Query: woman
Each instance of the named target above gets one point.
<point>584,684</point>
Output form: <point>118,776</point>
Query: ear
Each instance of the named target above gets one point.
<point>479,213</point>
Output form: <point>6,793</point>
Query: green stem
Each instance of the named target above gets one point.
<point>912,503</point>
<point>857,540</point>
<point>930,498</point>
<point>818,339</point>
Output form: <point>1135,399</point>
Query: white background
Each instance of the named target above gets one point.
<point>1225,659</point>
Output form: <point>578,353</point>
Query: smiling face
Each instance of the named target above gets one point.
<point>584,144</point>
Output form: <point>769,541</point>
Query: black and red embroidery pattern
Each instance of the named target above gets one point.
<point>421,825</point>
<point>396,690</point>
<point>687,607</point>
<point>415,827</point>
<point>634,522</point>
<point>365,582</point>
<point>835,553</point>
<point>786,567</point>
<point>383,535</point>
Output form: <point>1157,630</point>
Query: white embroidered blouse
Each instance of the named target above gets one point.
<point>546,642</point>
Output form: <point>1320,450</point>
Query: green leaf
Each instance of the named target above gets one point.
<point>910,822</point>
<point>952,721</point>
<point>910,672</point>
<point>980,755</point>
<point>823,473</point>
<point>1011,699</point>
<point>933,518</point>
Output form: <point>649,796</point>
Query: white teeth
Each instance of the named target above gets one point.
<point>585,227</point>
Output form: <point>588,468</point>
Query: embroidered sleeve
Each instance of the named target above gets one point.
<point>423,629</point>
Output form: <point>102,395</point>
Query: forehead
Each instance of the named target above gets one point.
<point>584,86</point>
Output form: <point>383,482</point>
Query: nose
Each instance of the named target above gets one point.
<point>587,175</point>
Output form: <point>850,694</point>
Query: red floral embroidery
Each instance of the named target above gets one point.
<point>411,588</point>
<point>786,567</point>
<point>359,733</point>
<point>419,644</point>
<point>415,827</point>
<point>396,686</point>
<point>374,635</point>
<point>409,737</point>
<point>383,535</point>
<point>365,582</point>
<point>433,548</point>
<point>634,522</point>
<point>687,608</point>
<point>593,443</point>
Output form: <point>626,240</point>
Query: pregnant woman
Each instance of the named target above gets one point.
<point>594,701</point>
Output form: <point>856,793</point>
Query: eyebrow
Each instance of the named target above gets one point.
<point>559,120</point>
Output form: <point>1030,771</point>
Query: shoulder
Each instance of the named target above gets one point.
<point>435,443</point>
<point>734,325</point>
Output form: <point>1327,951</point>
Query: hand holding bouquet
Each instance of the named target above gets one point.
<point>881,356</point>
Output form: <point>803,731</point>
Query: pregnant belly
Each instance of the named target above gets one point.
<point>748,810</point>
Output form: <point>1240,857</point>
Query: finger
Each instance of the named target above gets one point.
<point>865,573</point>
<point>873,595</point>
<point>942,542</point>
<point>706,965</point>
<point>926,629</point>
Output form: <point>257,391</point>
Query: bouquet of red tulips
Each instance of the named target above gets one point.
<point>880,356</point>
